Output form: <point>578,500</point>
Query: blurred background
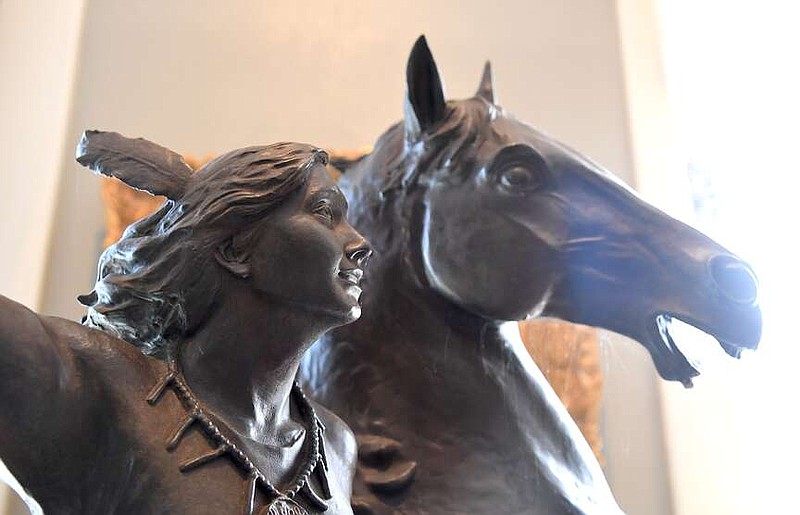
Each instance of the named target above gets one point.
<point>693,103</point>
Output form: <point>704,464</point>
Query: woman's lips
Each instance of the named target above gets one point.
<point>352,276</point>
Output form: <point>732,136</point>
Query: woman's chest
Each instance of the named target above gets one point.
<point>209,470</point>
<point>162,458</point>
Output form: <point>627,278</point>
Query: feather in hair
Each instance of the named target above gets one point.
<point>137,162</point>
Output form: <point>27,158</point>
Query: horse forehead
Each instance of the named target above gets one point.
<point>507,131</point>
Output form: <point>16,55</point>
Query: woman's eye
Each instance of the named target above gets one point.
<point>517,178</point>
<point>324,210</point>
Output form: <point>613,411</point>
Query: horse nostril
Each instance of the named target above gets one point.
<point>734,279</point>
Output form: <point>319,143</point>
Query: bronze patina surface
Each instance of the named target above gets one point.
<point>177,394</point>
<point>478,219</point>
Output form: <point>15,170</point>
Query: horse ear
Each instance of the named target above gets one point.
<point>425,104</point>
<point>486,88</point>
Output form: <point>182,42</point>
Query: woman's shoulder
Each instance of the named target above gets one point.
<point>341,450</point>
<point>61,383</point>
<point>107,359</point>
<point>94,348</point>
<point>80,339</point>
<point>339,438</point>
<point>54,352</point>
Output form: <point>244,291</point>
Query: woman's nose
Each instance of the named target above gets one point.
<point>358,250</point>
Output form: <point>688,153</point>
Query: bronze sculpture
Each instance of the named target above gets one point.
<point>185,401</point>
<point>479,219</point>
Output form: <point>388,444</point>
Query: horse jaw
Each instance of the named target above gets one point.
<point>588,250</point>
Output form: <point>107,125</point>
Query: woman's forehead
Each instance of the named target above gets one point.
<point>320,182</point>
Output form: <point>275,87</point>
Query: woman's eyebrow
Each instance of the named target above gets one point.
<point>333,194</point>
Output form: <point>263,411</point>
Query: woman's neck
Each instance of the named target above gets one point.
<point>241,364</point>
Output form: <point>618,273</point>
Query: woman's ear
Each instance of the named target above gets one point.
<point>233,254</point>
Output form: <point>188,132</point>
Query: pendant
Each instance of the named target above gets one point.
<point>283,506</point>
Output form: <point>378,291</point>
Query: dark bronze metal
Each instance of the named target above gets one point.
<point>177,394</point>
<point>479,219</point>
<point>226,446</point>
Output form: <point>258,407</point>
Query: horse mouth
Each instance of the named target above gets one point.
<point>687,349</point>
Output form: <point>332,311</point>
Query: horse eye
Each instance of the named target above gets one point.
<point>517,178</point>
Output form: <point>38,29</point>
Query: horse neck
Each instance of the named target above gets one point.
<point>446,358</point>
<point>407,328</point>
<point>427,356</point>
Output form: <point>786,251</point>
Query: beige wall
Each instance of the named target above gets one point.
<point>735,104</point>
<point>211,76</point>
<point>38,56</point>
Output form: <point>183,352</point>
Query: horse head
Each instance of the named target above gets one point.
<point>477,220</point>
<point>510,224</point>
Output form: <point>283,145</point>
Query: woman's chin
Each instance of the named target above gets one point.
<point>340,317</point>
<point>354,314</point>
<point>350,297</point>
<point>345,310</point>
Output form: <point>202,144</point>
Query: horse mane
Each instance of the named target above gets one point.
<point>446,149</point>
<point>387,183</point>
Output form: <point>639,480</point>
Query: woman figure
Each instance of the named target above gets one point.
<point>177,393</point>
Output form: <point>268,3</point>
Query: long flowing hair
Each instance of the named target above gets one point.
<point>155,284</point>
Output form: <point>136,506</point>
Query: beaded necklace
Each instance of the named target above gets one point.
<point>280,503</point>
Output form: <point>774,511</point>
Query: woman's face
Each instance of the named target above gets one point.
<point>306,254</point>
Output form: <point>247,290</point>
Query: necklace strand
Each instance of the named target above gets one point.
<point>315,461</point>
